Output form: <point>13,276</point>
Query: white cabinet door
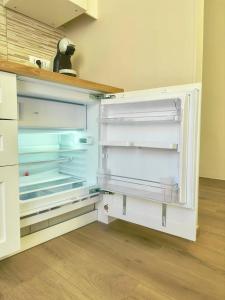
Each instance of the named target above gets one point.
<point>8,142</point>
<point>149,158</point>
<point>9,211</point>
<point>8,96</point>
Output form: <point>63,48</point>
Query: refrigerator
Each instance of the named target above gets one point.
<point>132,156</point>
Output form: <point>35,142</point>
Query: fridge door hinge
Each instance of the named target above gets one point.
<point>104,192</point>
<point>105,96</point>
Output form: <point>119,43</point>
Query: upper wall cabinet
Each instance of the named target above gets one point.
<point>53,12</point>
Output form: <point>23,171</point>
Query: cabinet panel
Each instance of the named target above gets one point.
<point>8,142</point>
<point>9,211</point>
<point>8,96</point>
<point>36,113</point>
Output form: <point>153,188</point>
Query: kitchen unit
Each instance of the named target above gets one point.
<point>42,10</point>
<point>74,152</point>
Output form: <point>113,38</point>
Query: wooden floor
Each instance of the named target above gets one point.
<point>125,261</point>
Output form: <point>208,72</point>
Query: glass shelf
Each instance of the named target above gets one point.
<point>34,190</point>
<point>59,160</point>
<point>51,151</point>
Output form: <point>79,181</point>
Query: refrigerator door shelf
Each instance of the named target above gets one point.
<point>144,189</point>
<point>148,144</point>
<point>143,117</point>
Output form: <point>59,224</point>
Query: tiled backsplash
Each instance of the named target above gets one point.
<point>21,36</point>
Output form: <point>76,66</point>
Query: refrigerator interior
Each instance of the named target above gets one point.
<point>57,160</point>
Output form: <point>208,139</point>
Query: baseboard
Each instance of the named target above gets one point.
<point>47,234</point>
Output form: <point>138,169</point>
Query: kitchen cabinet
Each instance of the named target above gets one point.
<point>8,143</point>
<point>9,211</point>
<point>8,99</point>
<point>9,174</point>
<point>64,10</point>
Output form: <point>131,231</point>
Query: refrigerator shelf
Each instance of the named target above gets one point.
<point>50,184</point>
<point>59,160</point>
<point>49,187</point>
<point>52,151</point>
<point>45,176</point>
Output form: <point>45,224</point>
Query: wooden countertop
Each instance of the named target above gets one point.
<point>42,74</point>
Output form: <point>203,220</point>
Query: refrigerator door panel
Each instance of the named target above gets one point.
<point>9,211</point>
<point>149,143</point>
<point>177,221</point>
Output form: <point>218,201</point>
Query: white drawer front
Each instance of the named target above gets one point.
<point>8,96</point>
<point>8,142</point>
<point>9,211</point>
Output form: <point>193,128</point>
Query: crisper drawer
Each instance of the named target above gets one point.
<point>9,211</point>
<point>8,142</point>
<point>38,204</point>
<point>8,96</point>
<point>36,113</point>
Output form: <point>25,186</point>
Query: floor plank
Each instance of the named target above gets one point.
<point>125,261</point>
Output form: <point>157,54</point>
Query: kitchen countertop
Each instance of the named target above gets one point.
<point>32,72</point>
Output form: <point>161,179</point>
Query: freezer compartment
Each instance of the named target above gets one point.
<point>165,191</point>
<point>39,113</point>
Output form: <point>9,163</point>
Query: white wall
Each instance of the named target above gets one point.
<point>213,107</point>
<point>140,44</point>
<point>152,43</point>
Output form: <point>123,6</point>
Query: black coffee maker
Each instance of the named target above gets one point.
<point>62,62</point>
